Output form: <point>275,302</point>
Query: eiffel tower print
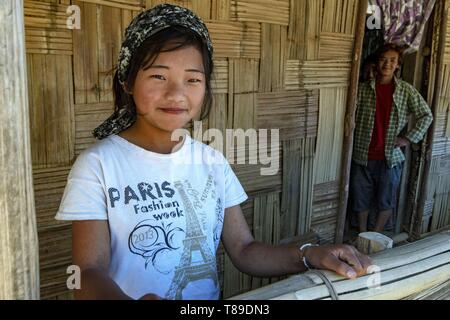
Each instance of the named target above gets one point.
<point>188,271</point>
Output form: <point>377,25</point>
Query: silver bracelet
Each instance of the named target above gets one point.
<point>303,255</point>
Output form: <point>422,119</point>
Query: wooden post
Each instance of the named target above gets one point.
<point>349,124</point>
<point>416,220</point>
<point>19,265</point>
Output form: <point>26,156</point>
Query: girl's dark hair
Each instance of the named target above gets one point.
<point>146,55</point>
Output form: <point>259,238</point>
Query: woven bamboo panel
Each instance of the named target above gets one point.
<point>439,190</point>
<point>245,75</point>
<point>235,39</point>
<point>135,5</point>
<point>48,41</point>
<point>273,53</point>
<point>445,93</point>
<point>441,123</point>
<point>441,208</point>
<point>317,74</point>
<point>335,46</point>
<point>339,16</point>
<point>244,116</point>
<point>444,103</point>
<point>257,11</point>
<point>44,15</point>
<point>220,9</point>
<point>96,48</point>
<point>312,32</point>
<point>296,203</point>
<point>297,30</point>
<point>325,208</point>
<point>51,109</point>
<point>55,255</point>
<point>441,146</point>
<point>447,43</point>
<point>325,203</point>
<point>87,118</point>
<point>250,176</point>
<point>201,7</point>
<point>327,163</point>
<point>49,186</point>
<point>218,115</point>
<point>294,113</point>
<point>220,81</point>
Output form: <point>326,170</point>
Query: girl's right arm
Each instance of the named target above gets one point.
<point>91,247</point>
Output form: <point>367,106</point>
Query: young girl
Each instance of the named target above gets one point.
<point>148,218</point>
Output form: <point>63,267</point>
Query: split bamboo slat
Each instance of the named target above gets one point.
<point>447,43</point>
<point>96,51</point>
<point>296,203</point>
<point>220,9</point>
<point>312,32</point>
<point>441,120</point>
<point>338,16</point>
<point>44,15</point>
<point>317,74</point>
<point>87,118</point>
<point>51,108</point>
<point>257,11</point>
<point>403,271</point>
<point>220,80</point>
<point>218,114</point>
<point>49,184</point>
<point>439,191</point>
<point>325,208</point>
<point>335,46</point>
<point>273,52</point>
<point>330,134</point>
<point>55,255</point>
<point>201,7</point>
<point>297,30</point>
<point>245,75</point>
<point>235,39</point>
<point>438,292</point>
<point>249,174</point>
<point>294,113</point>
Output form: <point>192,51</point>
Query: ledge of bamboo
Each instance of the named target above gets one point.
<point>402,272</point>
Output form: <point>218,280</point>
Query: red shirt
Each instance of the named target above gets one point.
<point>385,93</point>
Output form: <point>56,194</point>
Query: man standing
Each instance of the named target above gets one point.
<point>384,104</point>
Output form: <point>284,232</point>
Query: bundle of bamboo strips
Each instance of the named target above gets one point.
<point>404,271</point>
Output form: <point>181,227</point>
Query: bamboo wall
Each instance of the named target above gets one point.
<point>437,207</point>
<point>279,64</point>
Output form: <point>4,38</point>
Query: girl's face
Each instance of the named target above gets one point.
<point>170,92</point>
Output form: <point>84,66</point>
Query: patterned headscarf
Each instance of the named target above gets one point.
<point>143,26</point>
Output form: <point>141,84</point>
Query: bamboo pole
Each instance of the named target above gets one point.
<point>417,220</point>
<point>19,268</point>
<point>350,121</point>
<point>402,271</point>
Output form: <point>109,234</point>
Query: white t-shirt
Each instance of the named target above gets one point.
<point>165,213</point>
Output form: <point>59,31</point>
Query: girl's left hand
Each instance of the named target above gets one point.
<point>343,259</point>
